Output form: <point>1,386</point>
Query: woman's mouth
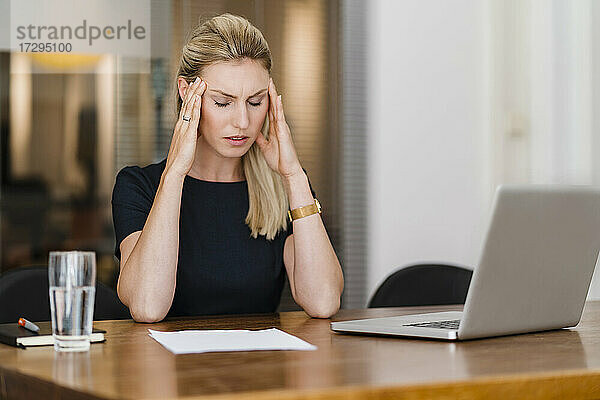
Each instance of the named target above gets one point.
<point>237,140</point>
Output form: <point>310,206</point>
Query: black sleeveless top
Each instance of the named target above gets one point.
<point>221,269</point>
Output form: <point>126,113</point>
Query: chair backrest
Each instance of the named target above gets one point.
<point>423,285</point>
<point>24,293</point>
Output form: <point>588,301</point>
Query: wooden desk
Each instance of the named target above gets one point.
<point>131,365</point>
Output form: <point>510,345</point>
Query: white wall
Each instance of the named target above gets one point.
<point>464,95</point>
<point>426,92</point>
<point>595,123</point>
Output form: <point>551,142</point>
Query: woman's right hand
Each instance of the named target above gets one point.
<point>183,142</point>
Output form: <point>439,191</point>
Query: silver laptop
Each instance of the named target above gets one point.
<point>534,270</point>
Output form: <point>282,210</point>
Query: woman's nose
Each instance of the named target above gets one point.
<point>241,120</point>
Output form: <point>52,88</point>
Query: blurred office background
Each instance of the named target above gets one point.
<point>406,115</point>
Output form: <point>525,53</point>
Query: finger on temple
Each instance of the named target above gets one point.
<point>191,90</point>
<point>280,108</point>
<point>195,111</point>
<point>272,98</point>
<point>188,92</point>
<point>186,103</point>
<point>202,89</point>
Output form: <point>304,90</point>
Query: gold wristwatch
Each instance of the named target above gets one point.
<point>305,211</point>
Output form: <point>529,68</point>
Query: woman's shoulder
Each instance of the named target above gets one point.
<point>151,171</point>
<point>146,178</point>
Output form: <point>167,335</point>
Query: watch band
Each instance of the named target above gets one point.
<point>305,211</point>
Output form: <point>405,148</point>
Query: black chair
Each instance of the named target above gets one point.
<point>423,285</point>
<point>24,293</point>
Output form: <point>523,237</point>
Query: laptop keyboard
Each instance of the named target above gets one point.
<point>453,324</point>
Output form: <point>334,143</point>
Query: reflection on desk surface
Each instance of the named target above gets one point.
<point>417,360</point>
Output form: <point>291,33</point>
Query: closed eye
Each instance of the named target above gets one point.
<point>226,104</point>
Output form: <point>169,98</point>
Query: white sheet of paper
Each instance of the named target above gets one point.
<point>204,341</point>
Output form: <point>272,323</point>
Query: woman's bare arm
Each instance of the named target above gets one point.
<point>315,274</point>
<point>149,257</point>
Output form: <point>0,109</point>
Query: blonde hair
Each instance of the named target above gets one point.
<point>227,38</point>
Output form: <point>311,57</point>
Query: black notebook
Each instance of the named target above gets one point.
<point>15,335</point>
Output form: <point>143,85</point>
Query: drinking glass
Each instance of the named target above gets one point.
<point>72,281</point>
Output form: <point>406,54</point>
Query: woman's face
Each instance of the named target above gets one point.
<point>234,106</point>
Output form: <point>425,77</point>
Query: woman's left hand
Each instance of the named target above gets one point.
<point>278,150</point>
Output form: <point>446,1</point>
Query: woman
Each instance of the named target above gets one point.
<point>206,231</point>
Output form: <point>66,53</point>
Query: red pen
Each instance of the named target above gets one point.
<point>28,325</point>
